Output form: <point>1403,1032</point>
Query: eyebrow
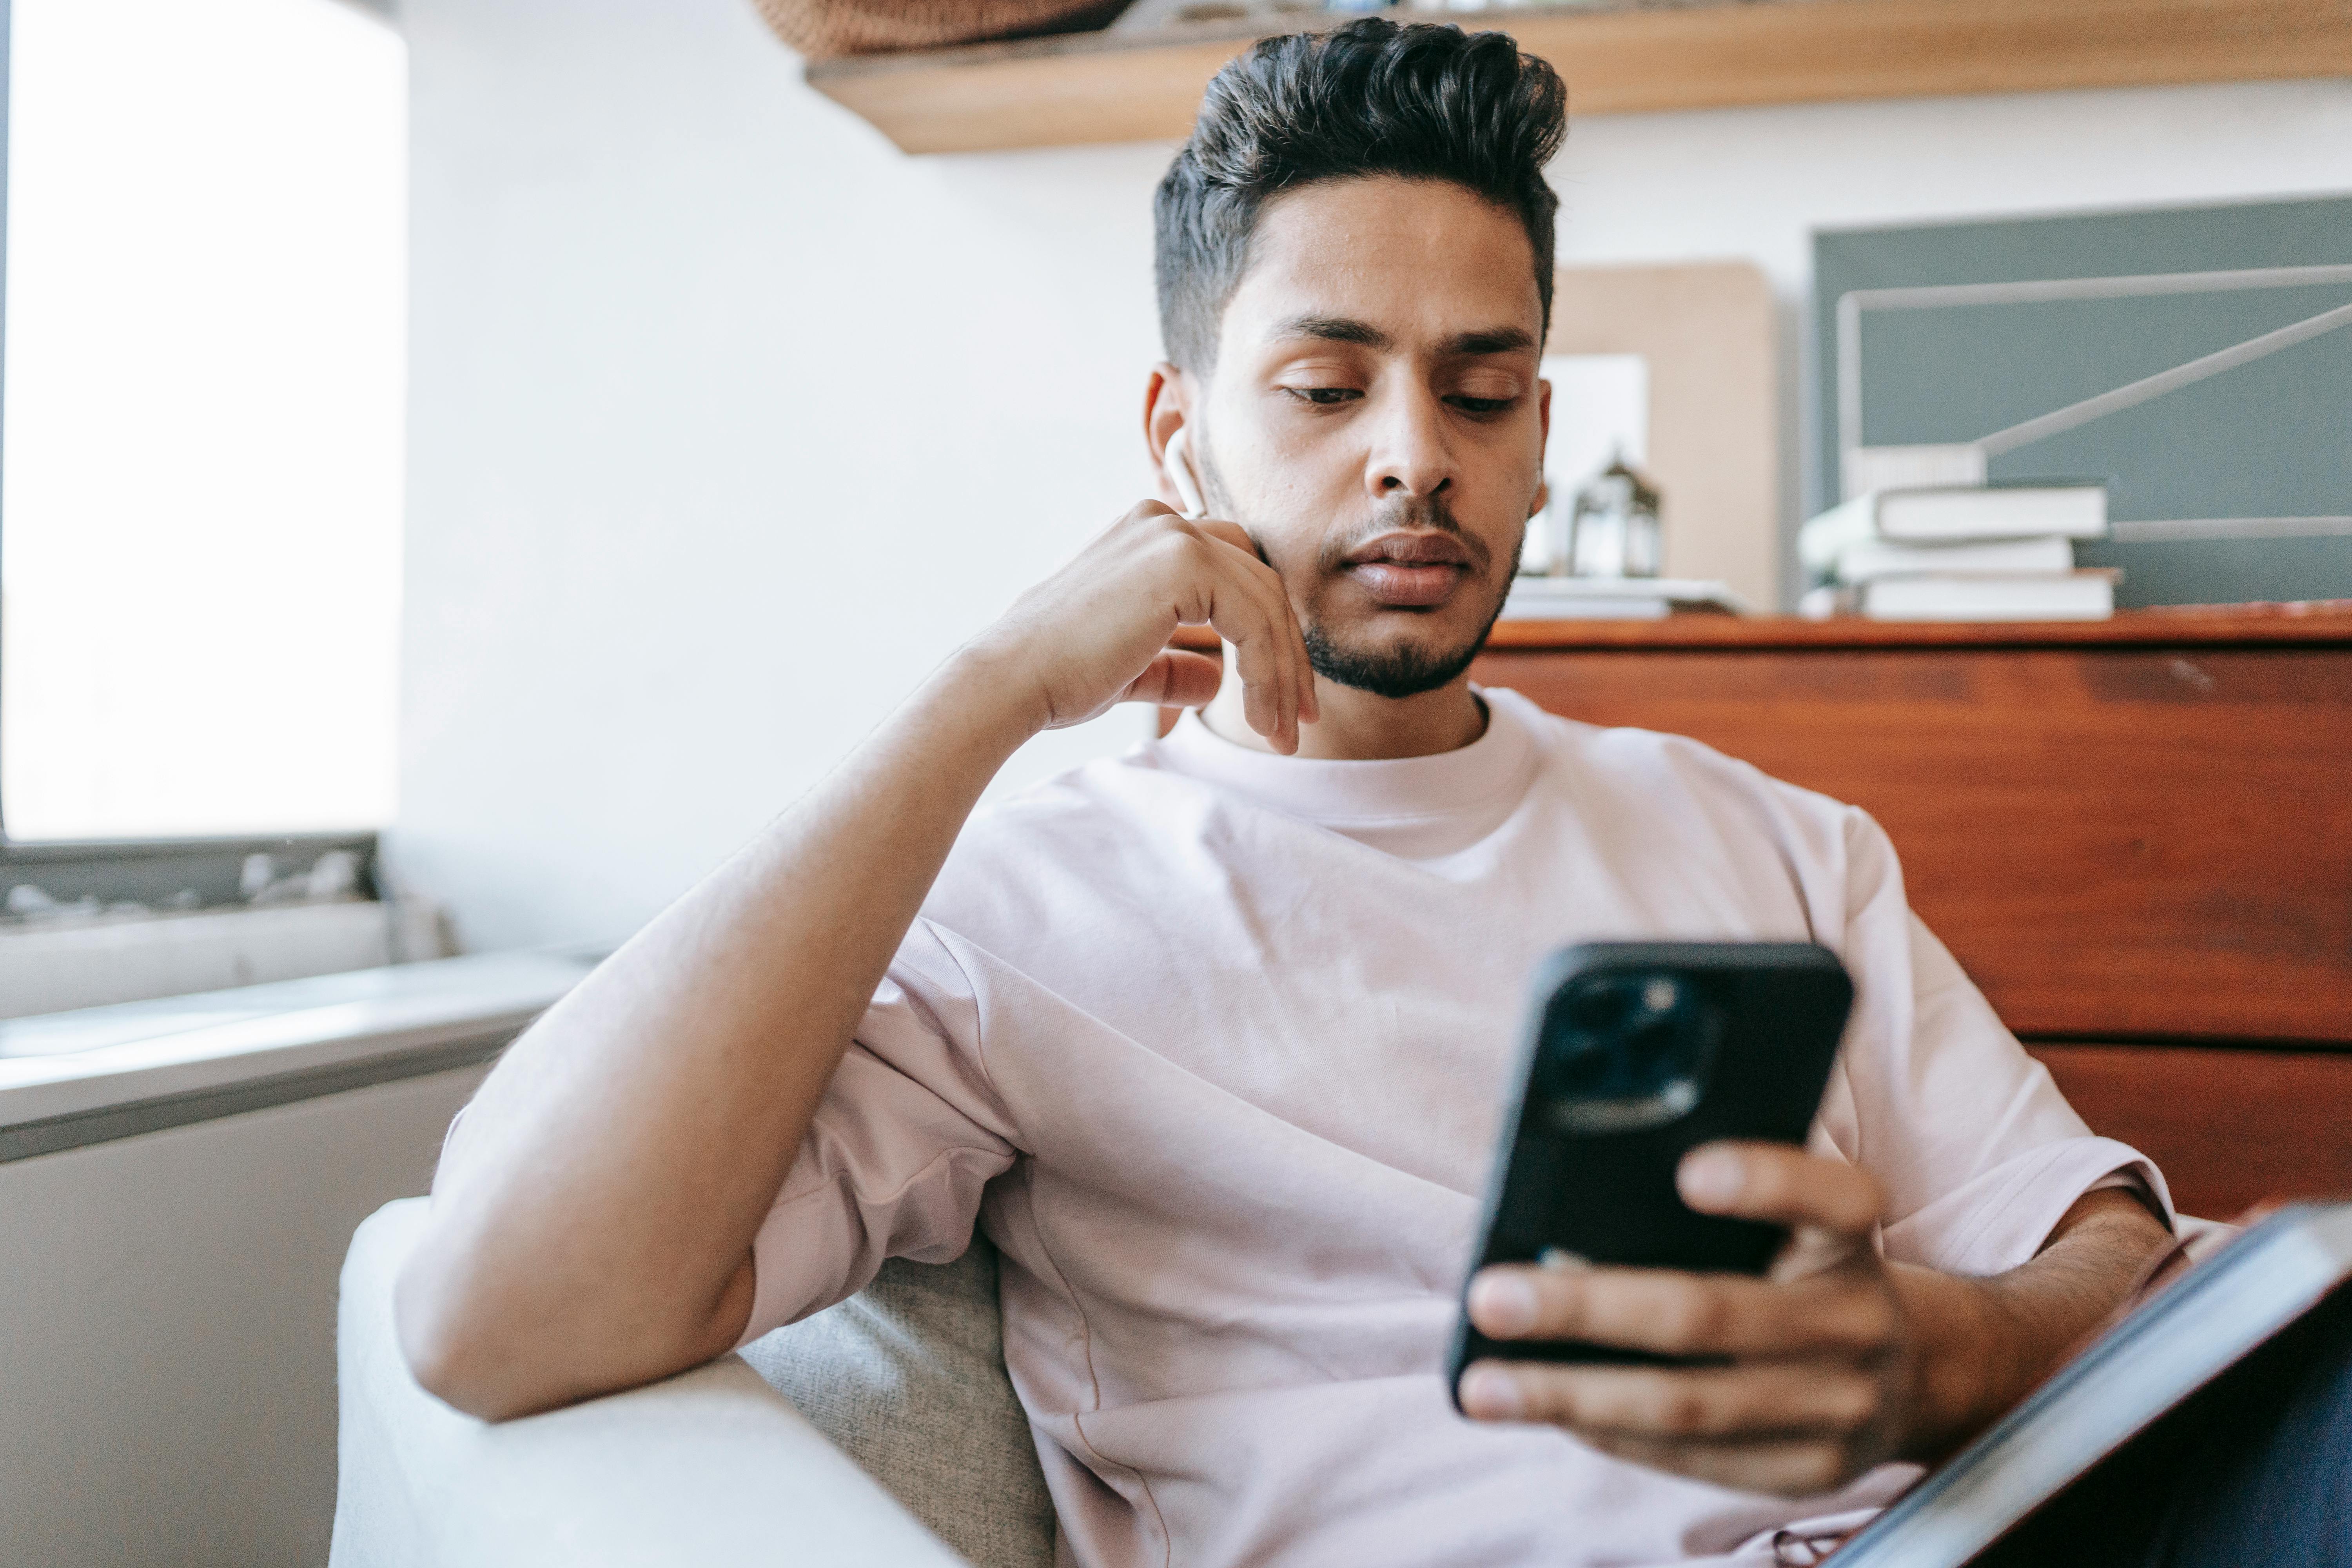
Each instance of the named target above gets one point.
<point>1334,329</point>
<point>1461,346</point>
<point>1492,341</point>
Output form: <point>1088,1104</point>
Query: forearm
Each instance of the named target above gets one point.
<point>592,1224</point>
<point>1983,1344</point>
<point>592,1227</point>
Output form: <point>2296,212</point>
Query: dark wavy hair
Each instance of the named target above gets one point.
<point>1425,102</point>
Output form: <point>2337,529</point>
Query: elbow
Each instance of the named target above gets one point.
<point>443,1367</point>
<point>480,1345</point>
<point>452,1349</point>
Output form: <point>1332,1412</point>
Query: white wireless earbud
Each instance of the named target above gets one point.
<point>1177,465</point>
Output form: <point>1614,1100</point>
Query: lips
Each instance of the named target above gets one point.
<point>1409,571</point>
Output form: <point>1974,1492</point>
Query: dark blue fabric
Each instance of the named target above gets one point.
<point>2253,1470</point>
<point>2272,1481</point>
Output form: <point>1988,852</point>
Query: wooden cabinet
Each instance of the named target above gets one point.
<point>2141,835</point>
<point>2229,1126</point>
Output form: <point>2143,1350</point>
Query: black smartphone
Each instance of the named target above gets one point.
<point>1636,1054</point>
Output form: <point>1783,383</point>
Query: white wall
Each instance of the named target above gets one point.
<point>167,1329</point>
<point>728,421</point>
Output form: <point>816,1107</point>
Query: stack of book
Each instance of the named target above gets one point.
<point>1999,552</point>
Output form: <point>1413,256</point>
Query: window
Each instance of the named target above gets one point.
<point>200,418</point>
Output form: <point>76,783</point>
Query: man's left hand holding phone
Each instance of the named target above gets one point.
<point>1815,1376</point>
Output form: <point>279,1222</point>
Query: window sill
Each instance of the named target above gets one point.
<point>76,961</point>
<point>72,1078</point>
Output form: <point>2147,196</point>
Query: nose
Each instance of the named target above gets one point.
<point>1411,457</point>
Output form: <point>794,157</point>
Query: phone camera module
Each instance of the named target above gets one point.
<point>1623,1052</point>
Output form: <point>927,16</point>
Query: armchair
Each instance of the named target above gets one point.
<point>882,1432</point>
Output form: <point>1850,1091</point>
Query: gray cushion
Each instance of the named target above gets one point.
<point>908,1378</point>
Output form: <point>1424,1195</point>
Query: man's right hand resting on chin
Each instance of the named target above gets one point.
<point>592,1219</point>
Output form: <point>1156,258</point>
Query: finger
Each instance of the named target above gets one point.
<point>1260,656</point>
<point>1176,678</point>
<point>1220,592</point>
<point>1243,614</point>
<point>1775,1182</point>
<point>1676,1313</point>
<point>1745,1403</point>
<point>1299,688</point>
<point>1262,642</point>
<point>1295,643</point>
<point>1801,1466</point>
<point>1310,707</point>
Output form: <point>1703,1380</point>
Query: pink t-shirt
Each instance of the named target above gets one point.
<point>1213,1045</point>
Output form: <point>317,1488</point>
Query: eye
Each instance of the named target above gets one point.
<point>1324,396</point>
<point>1482,404</point>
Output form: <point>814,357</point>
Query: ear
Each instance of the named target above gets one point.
<point>1165,413</point>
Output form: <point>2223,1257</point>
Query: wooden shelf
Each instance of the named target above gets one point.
<point>1618,59</point>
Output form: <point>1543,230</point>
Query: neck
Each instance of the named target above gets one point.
<point>1359,727</point>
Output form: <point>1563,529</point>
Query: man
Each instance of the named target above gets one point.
<point>1211,1040</point>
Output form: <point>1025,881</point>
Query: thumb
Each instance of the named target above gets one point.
<point>1176,679</point>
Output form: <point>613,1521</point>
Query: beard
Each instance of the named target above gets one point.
<point>1402,667</point>
<point>1396,669</point>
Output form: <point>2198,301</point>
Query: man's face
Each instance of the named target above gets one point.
<point>1375,420</point>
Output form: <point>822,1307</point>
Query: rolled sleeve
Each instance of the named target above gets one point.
<point>907,1135</point>
<point>2002,1217</point>
<point>1979,1152</point>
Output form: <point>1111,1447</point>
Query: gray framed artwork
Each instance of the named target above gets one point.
<point>2196,359</point>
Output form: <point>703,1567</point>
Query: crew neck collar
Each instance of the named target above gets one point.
<point>1338,793</point>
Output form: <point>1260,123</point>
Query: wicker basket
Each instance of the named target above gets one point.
<point>824,29</point>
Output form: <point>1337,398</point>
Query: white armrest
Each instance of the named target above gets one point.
<point>712,1467</point>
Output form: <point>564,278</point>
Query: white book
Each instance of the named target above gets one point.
<point>1947,512</point>
<point>2190,1336</point>
<point>1867,559</point>
<point>2074,596</point>
<point>1560,607</point>
<point>1534,598</point>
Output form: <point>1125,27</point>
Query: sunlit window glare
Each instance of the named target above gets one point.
<point>200,480</point>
